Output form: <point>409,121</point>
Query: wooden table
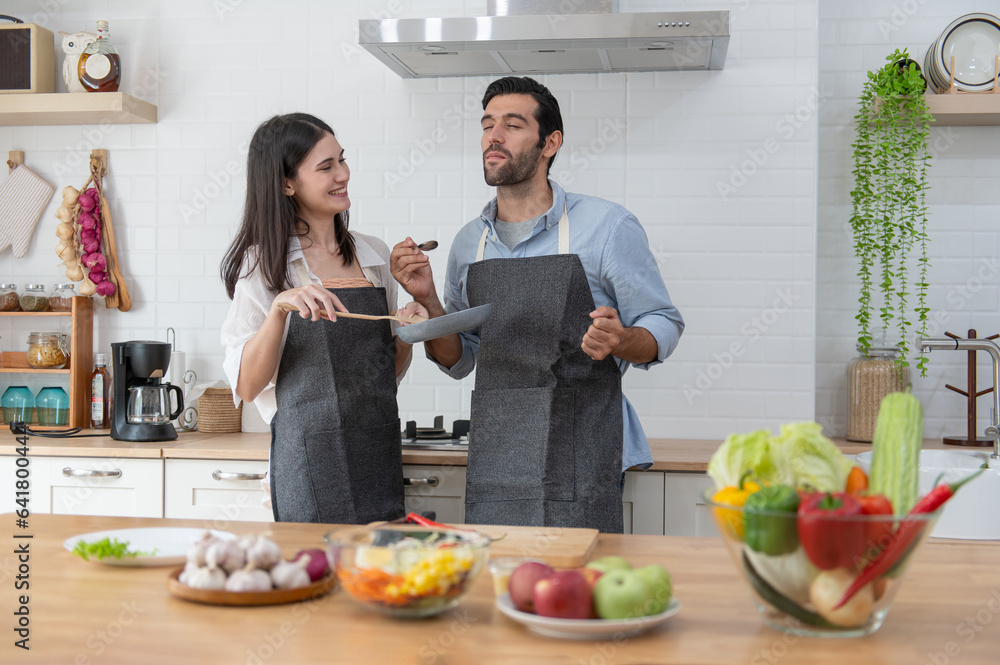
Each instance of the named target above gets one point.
<point>84,613</point>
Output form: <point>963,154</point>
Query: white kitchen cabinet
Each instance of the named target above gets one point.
<point>218,491</point>
<point>437,488</point>
<point>684,509</point>
<point>98,486</point>
<point>642,502</point>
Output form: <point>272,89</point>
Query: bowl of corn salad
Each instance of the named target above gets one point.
<point>406,571</point>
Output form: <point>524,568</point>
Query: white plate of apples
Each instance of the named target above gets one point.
<point>607,599</point>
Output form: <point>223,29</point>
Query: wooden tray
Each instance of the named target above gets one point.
<point>234,598</point>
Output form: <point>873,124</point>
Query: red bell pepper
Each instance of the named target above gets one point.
<point>878,533</point>
<point>829,530</point>
<point>907,532</point>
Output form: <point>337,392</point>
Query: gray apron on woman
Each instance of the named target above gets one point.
<point>545,440</point>
<point>336,456</point>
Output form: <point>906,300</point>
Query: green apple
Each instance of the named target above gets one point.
<point>609,563</point>
<point>658,579</point>
<point>622,594</point>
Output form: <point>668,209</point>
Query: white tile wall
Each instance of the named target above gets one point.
<point>964,210</point>
<point>719,166</point>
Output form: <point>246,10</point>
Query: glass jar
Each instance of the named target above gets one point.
<point>10,301</point>
<point>47,350</point>
<point>61,300</point>
<point>33,298</point>
<point>870,378</point>
<point>52,406</point>
<point>18,404</point>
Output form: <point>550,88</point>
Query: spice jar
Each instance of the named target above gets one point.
<point>9,300</point>
<point>61,300</point>
<point>870,377</point>
<point>34,299</point>
<point>47,350</point>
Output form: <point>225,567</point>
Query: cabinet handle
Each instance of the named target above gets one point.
<point>236,475</point>
<point>91,473</point>
<point>432,481</point>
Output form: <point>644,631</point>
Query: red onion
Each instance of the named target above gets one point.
<point>105,289</point>
<point>318,566</point>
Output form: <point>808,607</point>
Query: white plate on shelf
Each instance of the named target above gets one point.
<point>974,40</point>
<point>585,629</point>
<point>169,543</point>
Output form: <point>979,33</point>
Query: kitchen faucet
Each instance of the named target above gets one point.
<point>959,344</point>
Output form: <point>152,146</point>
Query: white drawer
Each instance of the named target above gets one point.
<point>218,491</point>
<point>437,488</point>
<point>98,486</point>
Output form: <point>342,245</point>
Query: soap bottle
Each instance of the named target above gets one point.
<point>100,383</point>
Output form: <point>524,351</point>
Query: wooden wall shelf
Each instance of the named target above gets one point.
<point>964,109</point>
<point>75,108</point>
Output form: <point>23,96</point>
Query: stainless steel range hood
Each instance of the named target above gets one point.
<point>520,43</point>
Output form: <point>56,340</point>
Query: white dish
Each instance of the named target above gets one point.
<point>974,41</point>
<point>585,629</point>
<point>170,544</point>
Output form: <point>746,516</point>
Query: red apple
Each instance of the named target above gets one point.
<point>563,595</point>
<point>522,584</point>
<point>591,575</point>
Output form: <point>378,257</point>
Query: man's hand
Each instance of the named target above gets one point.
<point>608,337</point>
<point>604,335</point>
<point>412,269</point>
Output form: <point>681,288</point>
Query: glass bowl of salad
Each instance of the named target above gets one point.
<point>818,563</point>
<point>406,571</point>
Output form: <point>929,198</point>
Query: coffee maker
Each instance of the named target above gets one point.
<point>140,408</point>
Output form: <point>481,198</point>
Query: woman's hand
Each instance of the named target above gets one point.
<point>410,309</point>
<point>310,300</point>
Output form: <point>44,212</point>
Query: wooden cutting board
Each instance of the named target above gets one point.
<point>558,547</point>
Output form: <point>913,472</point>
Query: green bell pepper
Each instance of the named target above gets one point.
<point>769,520</point>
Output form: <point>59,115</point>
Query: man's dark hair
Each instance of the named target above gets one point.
<point>546,113</point>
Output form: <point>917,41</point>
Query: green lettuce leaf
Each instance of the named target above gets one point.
<point>739,454</point>
<point>807,460</point>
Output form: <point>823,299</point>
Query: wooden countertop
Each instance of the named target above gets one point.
<point>668,454</point>
<point>87,613</point>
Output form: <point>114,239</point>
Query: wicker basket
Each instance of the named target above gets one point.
<point>216,412</point>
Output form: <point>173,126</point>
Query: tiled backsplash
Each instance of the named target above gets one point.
<point>720,167</point>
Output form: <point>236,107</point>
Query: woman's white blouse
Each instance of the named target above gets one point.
<point>252,300</point>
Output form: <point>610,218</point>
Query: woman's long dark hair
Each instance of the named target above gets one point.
<point>270,217</point>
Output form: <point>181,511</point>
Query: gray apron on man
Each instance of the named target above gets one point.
<point>336,456</point>
<point>545,440</point>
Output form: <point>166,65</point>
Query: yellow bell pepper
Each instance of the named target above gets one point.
<point>732,520</point>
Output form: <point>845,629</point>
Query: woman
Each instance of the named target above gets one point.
<point>327,385</point>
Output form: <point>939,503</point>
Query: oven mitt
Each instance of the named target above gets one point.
<point>23,197</point>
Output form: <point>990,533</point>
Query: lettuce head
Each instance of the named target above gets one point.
<point>739,454</point>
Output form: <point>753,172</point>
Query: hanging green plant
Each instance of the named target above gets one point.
<point>889,208</point>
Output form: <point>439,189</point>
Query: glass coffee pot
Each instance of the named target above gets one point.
<point>150,404</point>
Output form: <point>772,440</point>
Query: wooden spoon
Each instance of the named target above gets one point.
<point>288,307</point>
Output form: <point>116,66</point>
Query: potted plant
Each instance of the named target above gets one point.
<point>889,226</point>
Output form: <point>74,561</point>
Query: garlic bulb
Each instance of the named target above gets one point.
<point>264,553</point>
<point>249,579</point>
<point>207,577</point>
<point>87,288</point>
<point>189,568</point>
<point>196,553</point>
<point>291,574</point>
<point>65,230</point>
<point>226,554</point>
<point>64,214</point>
<point>75,271</point>
<point>70,194</point>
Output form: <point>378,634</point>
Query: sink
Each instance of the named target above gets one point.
<point>973,513</point>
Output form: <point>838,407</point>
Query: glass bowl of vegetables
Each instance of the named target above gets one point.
<point>819,563</point>
<point>406,571</point>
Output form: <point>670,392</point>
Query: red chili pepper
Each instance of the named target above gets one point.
<point>828,534</point>
<point>417,518</point>
<point>878,533</point>
<point>907,532</point>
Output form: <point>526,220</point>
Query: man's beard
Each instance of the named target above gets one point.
<point>515,170</point>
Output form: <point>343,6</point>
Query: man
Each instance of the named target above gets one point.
<point>577,298</point>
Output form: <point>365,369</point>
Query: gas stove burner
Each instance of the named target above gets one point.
<point>437,437</point>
